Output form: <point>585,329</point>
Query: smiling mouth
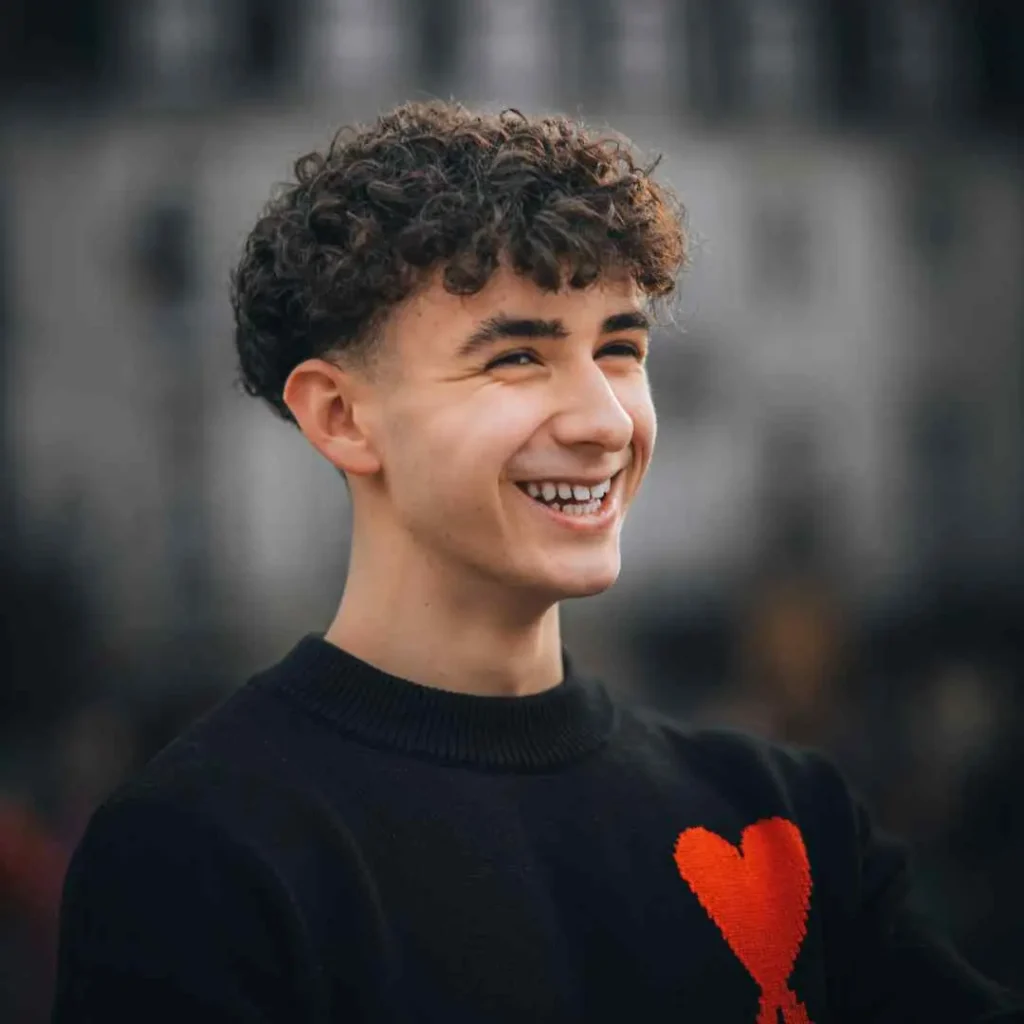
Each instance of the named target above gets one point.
<point>568,498</point>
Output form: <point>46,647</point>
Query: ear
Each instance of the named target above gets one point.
<point>330,406</point>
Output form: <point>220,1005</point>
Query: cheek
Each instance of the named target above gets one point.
<point>636,399</point>
<point>453,452</point>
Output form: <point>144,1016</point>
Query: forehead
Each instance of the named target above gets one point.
<point>434,317</point>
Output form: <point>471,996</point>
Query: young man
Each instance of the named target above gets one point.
<point>424,814</point>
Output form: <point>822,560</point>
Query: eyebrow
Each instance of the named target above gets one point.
<point>502,327</point>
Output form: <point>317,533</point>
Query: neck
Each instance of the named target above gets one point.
<point>407,618</point>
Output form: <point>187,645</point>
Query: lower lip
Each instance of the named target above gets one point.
<point>593,523</point>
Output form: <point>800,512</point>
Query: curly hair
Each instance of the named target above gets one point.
<point>435,187</point>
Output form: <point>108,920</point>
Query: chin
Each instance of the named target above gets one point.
<point>581,580</point>
<point>587,588</point>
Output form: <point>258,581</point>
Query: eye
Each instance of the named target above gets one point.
<point>518,358</point>
<point>623,348</point>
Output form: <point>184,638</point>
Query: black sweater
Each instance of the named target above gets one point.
<point>334,844</point>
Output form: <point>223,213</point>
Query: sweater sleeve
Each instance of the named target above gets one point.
<point>166,918</point>
<point>888,965</point>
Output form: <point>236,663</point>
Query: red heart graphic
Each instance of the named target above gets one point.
<point>758,896</point>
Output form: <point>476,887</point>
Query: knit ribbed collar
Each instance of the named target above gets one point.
<point>535,731</point>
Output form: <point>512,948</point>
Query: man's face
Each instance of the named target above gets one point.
<point>500,419</point>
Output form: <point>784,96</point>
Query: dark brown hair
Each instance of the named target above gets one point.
<point>431,186</point>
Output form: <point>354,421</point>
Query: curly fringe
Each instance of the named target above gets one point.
<point>428,186</point>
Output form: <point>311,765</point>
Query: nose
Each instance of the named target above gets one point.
<point>591,413</point>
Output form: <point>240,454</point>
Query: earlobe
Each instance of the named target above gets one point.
<point>326,403</point>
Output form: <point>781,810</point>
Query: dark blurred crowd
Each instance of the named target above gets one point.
<point>70,731</point>
<point>920,707</point>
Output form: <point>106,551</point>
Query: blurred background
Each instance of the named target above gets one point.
<point>829,548</point>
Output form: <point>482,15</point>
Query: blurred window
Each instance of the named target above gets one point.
<point>53,47</point>
<point>512,51</point>
<point>356,46</point>
<point>649,52</point>
<point>780,58</point>
<point>178,50</point>
<point>912,58</point>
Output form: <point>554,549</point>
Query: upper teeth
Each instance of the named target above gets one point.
<point>549,490</point>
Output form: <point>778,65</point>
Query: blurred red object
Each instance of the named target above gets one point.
<point>32,864</point>
<point>32,868</point>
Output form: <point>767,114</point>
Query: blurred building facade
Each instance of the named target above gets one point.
<point>855,200</point>
<point>839,486</point>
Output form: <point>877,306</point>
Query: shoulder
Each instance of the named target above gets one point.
<point>245,858</point>
<point>227,789</point>
<point>755,777</point>
<point>174,897</point>
<point>735,781</point>
<point>737,760</point>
